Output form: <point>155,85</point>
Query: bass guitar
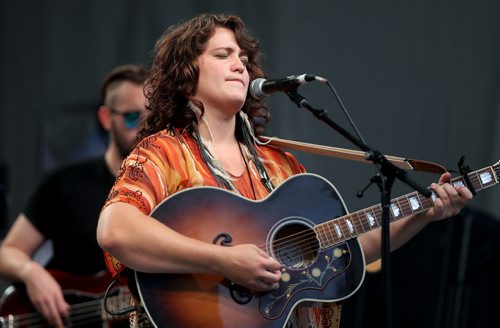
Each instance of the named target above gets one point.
<point>83,293</point>
<point>303,224</point>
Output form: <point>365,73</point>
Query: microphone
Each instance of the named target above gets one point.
<point>261,88</point>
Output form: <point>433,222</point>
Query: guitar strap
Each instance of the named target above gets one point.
<point>354,155</point>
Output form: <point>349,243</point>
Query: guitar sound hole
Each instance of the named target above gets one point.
<point>295,245</point>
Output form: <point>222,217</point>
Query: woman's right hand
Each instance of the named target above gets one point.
<point>249,266</point>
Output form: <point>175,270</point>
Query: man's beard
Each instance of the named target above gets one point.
<point>124,147</point>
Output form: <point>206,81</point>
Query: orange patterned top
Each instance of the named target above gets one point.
<point>165,163</point>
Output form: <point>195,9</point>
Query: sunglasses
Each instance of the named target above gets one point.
<point>131,119</point>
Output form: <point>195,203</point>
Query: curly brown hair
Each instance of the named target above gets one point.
<point>173,76</point>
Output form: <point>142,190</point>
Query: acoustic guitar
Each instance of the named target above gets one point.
<point>303,224</point>
<point>83,293</point>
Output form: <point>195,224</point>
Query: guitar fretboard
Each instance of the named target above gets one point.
<point>350,226</point>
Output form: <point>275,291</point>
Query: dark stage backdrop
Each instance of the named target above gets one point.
<point>420,78</point>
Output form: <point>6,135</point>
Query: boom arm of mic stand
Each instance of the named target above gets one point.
<point>376,157</point>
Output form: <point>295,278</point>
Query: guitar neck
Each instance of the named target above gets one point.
<point>352,225</point>
<point>84,313</point>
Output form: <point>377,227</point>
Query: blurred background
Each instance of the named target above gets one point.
<point>421,79</point>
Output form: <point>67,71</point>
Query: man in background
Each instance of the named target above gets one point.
<point>66,205</point>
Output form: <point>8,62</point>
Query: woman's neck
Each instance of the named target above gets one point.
<point>218,135</point>
<point>218,129</point>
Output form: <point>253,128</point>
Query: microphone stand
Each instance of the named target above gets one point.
<point>388,173</point>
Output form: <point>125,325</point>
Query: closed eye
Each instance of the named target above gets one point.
<point>221,55</point>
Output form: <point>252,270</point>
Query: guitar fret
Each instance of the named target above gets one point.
<point>335,237</point>
<point>361,222</point>
<point>377,212</point>
<point>327,232</point>
<point>479,180</point>
<point>401,206</point>
<point>375,215</point>
<point>474,179</point>
<point>396,209</point>
<point>415,203</point>
<point>405,206</point>
<point>320,234</point>
<point>338,230</point>
<point>459,183</point>
<point>349,227</point>
<point>344,227</point>
<point>487,177</point>
<point>370,219</point>
<point>352,226</point>
<point>324,235</point>
<point>427,202</point>
<point>330,233</point>
<point>341,229</point>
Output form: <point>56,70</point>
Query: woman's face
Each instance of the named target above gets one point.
<point>223,77</point>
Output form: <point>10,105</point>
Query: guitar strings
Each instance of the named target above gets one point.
<point>309,237</point>
<point>85,312</point>
<point>405,209</point>
<point>90,314</point>
<point>82,313</point>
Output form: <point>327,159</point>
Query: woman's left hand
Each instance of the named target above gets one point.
<point>449,201</point>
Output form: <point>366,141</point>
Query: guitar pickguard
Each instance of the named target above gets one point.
<point>329,264</point>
